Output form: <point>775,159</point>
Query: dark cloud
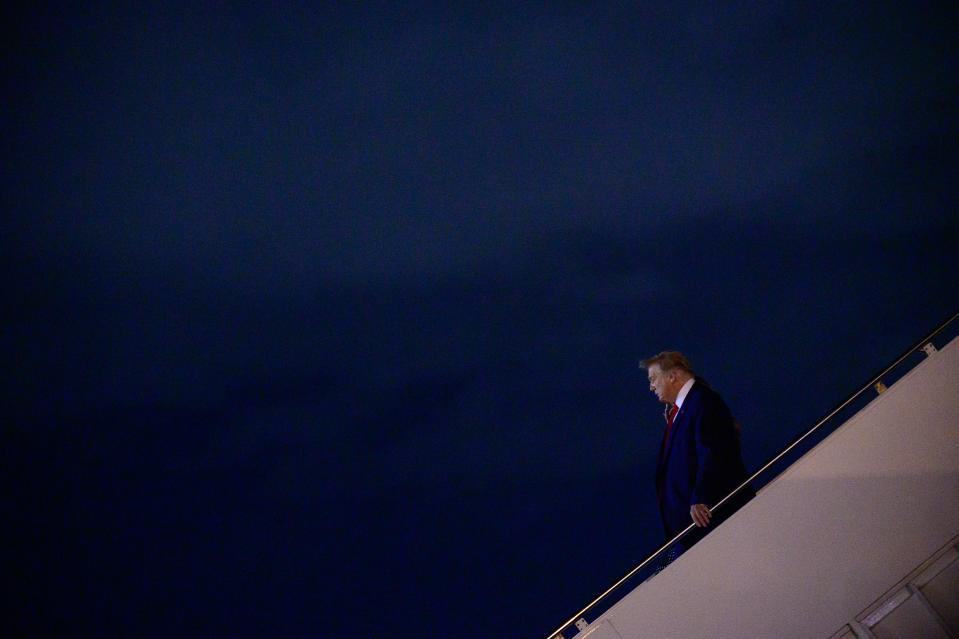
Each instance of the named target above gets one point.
<point>403,140</point>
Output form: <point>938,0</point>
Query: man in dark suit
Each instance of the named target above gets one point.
<point>700,460</point>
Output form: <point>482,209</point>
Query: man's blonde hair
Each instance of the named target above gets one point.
<point>667,361</point>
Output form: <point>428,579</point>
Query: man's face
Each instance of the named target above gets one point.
<point>662,384</point>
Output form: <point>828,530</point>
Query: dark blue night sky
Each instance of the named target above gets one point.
<point>326,319</point>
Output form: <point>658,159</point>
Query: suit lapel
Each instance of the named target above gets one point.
<point>664,446</point>
<point>676,425</point>
<point>673,433</point>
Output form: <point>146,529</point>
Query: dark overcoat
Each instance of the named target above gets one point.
<point>700,464</point>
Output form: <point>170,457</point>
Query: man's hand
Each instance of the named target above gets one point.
<point>700,514</point>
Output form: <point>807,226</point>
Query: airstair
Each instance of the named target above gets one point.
<point>858,538</point>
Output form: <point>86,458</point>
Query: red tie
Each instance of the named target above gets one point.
<point>669,425</point>
<point>671,415</point>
